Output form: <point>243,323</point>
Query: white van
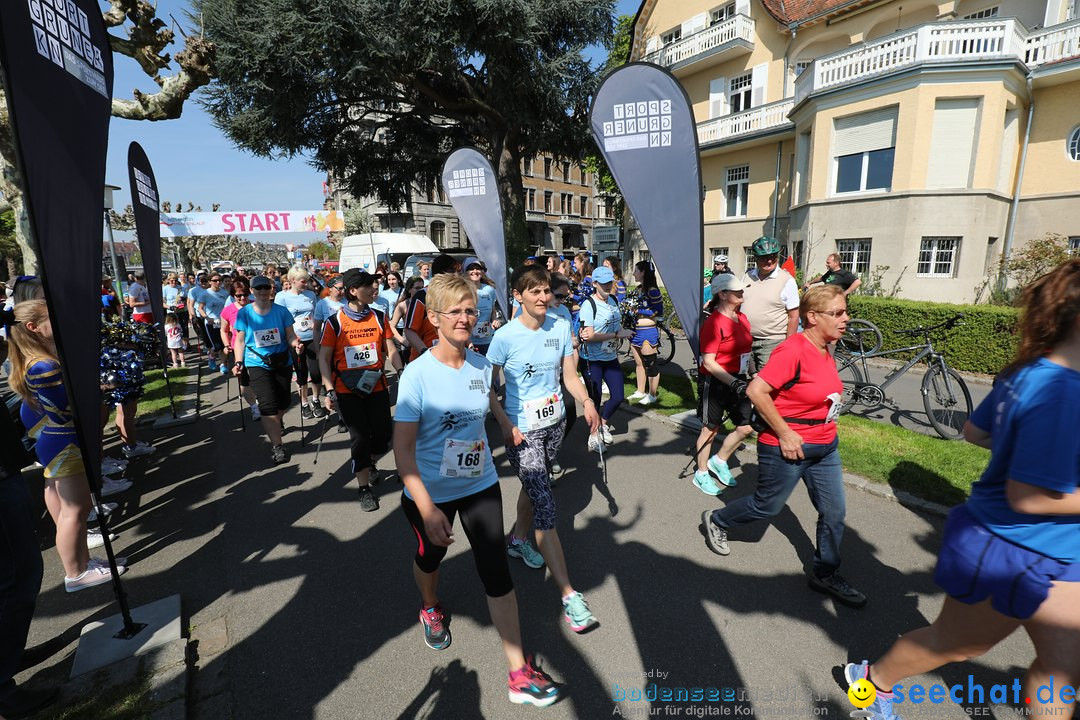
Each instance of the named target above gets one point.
<point>367,250</point>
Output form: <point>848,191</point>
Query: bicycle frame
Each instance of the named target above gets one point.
<point>926,350</point>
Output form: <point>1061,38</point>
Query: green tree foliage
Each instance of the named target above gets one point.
<point>10,251</point>
<point>324,251</point>
<point>380,91</point>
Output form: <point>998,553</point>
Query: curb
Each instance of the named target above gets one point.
<point>688,422</point>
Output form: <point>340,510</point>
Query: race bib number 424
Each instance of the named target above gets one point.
<point>267,338</point>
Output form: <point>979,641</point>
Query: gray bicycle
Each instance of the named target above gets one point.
<point>945,396</point>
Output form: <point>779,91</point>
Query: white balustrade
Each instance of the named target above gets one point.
<point>940,42</point>
<point>753,120</point>
<point>739,27</point>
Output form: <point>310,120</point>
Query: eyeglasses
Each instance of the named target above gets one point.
<point>831,313</point>
<point>337,287</point>
<point>560,296</point>
<point>469,313</point>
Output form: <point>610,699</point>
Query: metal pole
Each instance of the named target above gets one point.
<point>115,265</point>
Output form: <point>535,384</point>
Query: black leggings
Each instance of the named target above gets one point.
<point>571,409</point>
<point>308,363</point>
<point>482,520</point>
<point>368,419</point>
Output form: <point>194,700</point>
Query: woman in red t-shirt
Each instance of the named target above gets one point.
<point>798,394</point>
<point>725,352</point>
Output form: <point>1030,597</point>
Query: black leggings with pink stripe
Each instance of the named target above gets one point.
<point>482,520</point>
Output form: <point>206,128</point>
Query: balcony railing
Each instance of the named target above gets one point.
<point>535,216</point>
<point>754,120</point>
<point>569,219</point>
<point>944,42</point>
<point>704,42</point>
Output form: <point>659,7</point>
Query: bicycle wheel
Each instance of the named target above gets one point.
<point>861,337</point>
<point>947,401</point>
<point>852,378</point>
<point>666,351</point>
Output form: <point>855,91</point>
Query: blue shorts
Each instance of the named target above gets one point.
<point>976,564</point>
<point>645,334</point>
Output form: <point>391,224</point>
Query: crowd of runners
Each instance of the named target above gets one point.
<point>1011,555</point>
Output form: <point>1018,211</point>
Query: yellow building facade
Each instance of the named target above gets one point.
<point>920,140</point>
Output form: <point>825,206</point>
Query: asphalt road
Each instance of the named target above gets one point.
<point>304,607</point>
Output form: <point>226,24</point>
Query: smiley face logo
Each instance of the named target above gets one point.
<point>862,693</point>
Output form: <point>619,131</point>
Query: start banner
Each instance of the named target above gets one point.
<point>250,222</point>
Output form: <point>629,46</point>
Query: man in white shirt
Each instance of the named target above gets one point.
<point>770,302</point>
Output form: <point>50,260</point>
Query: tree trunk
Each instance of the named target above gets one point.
<point>512,197</point>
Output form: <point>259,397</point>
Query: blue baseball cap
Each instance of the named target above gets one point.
<point>602,275</point>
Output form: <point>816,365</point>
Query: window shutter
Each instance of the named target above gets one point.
<point>952,143</point>
<point>652,45</point>
<point>759,83</point>
<point>873,130</point>
<point>694,24</point>
<point>742,7</point>
<point>718,97</point>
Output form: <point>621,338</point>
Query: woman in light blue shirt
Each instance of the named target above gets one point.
<point>442,455</point>
<point>601,329</point>
<point>301,303</point>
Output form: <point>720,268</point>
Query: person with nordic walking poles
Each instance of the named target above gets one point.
<point>722,382</point>
<point>533,350</point>
<point>356,343</point>
<point>601,329</point>
<point>264,343</point>
<point>442,454</point>
<point>301,302</point>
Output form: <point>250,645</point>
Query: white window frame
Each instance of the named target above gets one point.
<point>862,189</point>
<point>714,251</point>
<point>737,180</point>
<point>1074,245</point>
<point>855,254</point>
<point>938,247</point>
<point>801,65</point>
<point>721,14</point>
<point>741,87</point>
<point>990,12</point>
<point>1072,145</point>
<point>671,37</point>
<point>748,256</point>
<point>527,168</point>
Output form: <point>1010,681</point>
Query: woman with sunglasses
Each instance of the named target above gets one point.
<point>798,396</point>
<point>442,455</point>
<point>241,297</point>
<point>264,345</point>
<point>301,303</point>
<point>601,330</point>
<point>213,302</point>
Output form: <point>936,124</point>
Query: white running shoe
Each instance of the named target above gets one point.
<point>595,442</point>
<point>605,432</point>
<point>137,450</point>
<point>109,509</point>
<point>636,396</point>
<point>649,400</point>
<point>95,540</point>
<point>111,486</point>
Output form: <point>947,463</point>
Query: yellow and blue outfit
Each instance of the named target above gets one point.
<point>651,307</point>
<point>51,425</point>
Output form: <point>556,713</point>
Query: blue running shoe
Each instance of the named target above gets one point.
<point>882,707</point>
<point>524,550</point>
<point>212,364</point>
<point>720,469</point>
<point>576,612</point>
<point>704,483</point>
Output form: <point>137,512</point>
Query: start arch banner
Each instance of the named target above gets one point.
<point>250,222</point>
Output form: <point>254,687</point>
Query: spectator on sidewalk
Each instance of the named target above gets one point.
<point>138,299</point>
<point>771,301</point>
<point>835,274</point>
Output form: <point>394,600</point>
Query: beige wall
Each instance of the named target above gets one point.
<point>762,162</point>
<point>1049,169</point>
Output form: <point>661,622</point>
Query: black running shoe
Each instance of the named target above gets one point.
<point>368,501</point>
<point>318,410</point>
<point>306,412</point>
<point>839,588</point>
<point>279,454</point>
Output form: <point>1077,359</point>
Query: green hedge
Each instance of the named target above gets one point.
<point>984,343</point>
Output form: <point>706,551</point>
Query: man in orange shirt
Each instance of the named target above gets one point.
<point>419,331</point>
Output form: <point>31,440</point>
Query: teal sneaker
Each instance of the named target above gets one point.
<point>704,482</point>
<point>882,707</point>
<point>720,469</point>
<point>523,549</point>
<point>577,614</point>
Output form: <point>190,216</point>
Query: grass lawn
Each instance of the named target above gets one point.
<point>931,468</point>
<point>155,397</point>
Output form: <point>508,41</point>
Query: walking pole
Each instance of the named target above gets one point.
<point>600,449</point>
<point>240,400</point>
<point>693,458</point>
<point>318,447</point>
<point>301,401</point>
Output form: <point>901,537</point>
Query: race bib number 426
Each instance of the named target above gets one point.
<point>359,356</point>
<point>267,338</point>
